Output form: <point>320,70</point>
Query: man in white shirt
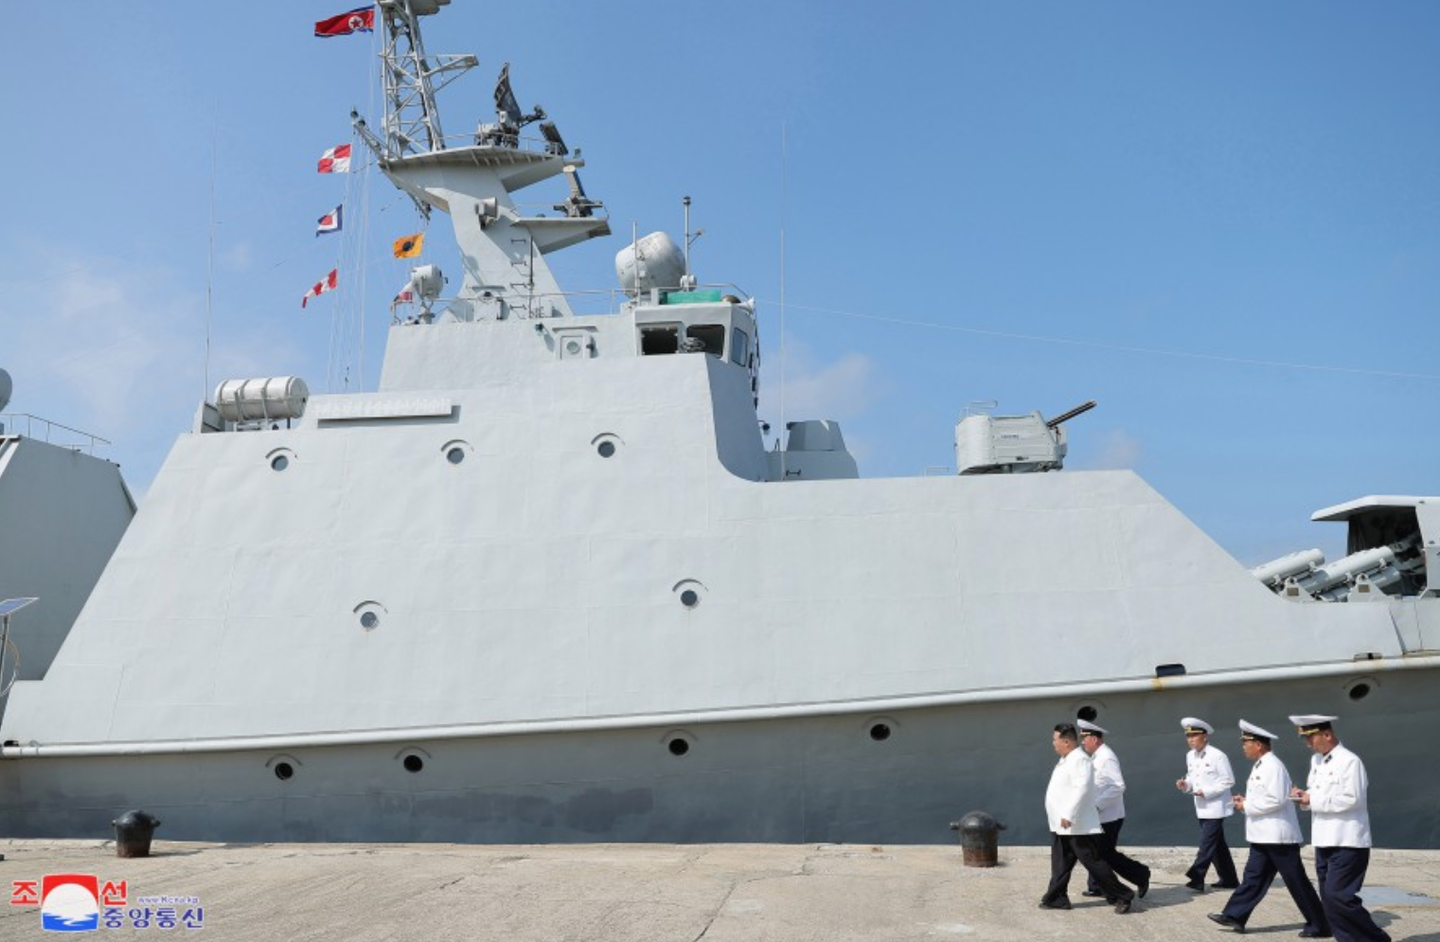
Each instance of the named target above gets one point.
<point>1110,803</point>
<point>1208,779</point>
<point>1336,794</point>
<point>1273,830</point>
<point>1074,823</point>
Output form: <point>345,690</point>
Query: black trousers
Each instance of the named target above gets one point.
<point>1213,850</point>
<point>1065,850</point>
<point>1126,868</point>
<point>1340,871</point>
<point>1265,861</point>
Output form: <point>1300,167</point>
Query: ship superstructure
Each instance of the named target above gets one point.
<point>547,583</point>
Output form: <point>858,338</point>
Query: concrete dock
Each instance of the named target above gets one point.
<point>664,892</point>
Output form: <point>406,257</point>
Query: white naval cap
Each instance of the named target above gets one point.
<point>1312,723</point>
<point>1088,727</point>
<point>1251,731</point>
<point>1193,724</point>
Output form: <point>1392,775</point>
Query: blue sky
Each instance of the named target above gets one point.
<point>1221,220</point>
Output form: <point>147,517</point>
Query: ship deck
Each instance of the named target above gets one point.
<point>620,893</point>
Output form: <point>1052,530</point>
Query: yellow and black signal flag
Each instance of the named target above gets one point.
<point>409,246</point>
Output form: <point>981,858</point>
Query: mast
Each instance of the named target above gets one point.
<point>412,122</point>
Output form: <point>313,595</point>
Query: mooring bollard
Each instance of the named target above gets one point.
<point>133,831</point>
<point>979,838</point>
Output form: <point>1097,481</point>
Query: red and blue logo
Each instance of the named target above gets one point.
<point>70,902</point>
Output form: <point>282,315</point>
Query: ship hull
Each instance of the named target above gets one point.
<point>793,779</point>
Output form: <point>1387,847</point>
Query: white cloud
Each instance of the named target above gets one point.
<point>810,389</point>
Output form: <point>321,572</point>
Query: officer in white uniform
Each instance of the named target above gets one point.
<point>1110,802</point>
<point>1208,778</point>
<point>1339,828</point>
<point>1273,829</point>
<point>1075,824</point>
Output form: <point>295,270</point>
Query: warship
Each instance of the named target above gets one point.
<point>547,583</point>
<point>63,510</point>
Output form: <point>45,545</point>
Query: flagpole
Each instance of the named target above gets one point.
<point>210,262</point>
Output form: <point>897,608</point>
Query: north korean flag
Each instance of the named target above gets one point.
<point>359,20</point>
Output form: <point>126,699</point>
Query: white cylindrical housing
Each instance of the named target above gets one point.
<point>1343,569</point>
<point>6,387</point>
<point>274,397</point>
<point>1278,570</point>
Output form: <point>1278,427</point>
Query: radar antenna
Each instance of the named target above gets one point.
<point>412,121</point>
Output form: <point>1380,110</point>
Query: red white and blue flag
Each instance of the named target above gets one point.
<point>335,160</point>
<point>330,222</point>
<point>359,20</point>
<point>330,283</point>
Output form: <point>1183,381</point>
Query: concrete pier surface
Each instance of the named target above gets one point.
<point>670,893</point>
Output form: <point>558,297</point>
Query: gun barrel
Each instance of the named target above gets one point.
<point>1067,416</point>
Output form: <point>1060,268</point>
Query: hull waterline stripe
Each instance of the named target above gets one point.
<point>706,717</point>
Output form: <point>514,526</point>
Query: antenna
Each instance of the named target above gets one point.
<point>412,122</point>
<point>689,284</point>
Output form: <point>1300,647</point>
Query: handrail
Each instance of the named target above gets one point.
<point>10,421</point>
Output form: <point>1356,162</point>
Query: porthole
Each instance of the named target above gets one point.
<point>606,444</point>
<point>678,743</point>
<point>690,593</point>
<point>881,728</point>
<point>1360,688</point>
<point>369,613</point>
<point>279,463</point>
<point>283,766</point>
<point>456,450</point>
<point>572,347</point>
<point>1087,713</point>
<point>413,763</point>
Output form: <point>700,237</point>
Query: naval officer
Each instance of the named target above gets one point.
<point>1335,794</point>
<point>1208,778</point>
<point>1273,829</point>
<point>1110,803</point>
<point>1075,824</point>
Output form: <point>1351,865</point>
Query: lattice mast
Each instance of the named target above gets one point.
<point>411,78</point>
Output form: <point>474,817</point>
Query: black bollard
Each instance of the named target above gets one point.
<point>979,838</point>
<point>133,831</point>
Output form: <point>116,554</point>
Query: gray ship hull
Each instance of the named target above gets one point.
<point>797,779</point>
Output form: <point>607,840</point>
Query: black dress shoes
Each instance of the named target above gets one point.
<point>1314,934</point>
<point>1122,906</point>
<point>1092,893</point>
<point>1197,885</point>
<point>1058,904</point>
<point>1224,920</point>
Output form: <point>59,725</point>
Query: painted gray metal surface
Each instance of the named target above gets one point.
<point>536,559</point>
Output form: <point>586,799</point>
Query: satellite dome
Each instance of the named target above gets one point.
<point>6,387</point>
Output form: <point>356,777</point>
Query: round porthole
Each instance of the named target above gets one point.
<point>284,771</point>
<point>881,728</point>
<point>456,450</point>
<point>1360,688</point>
<point>678,743</point>
<point>606,444</point>
<point>279,463</point>
<point>690,593</point>
<point>413,763</point>
<point>572,347</point>
<point>369,613</point>
<point>1087,713</point>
